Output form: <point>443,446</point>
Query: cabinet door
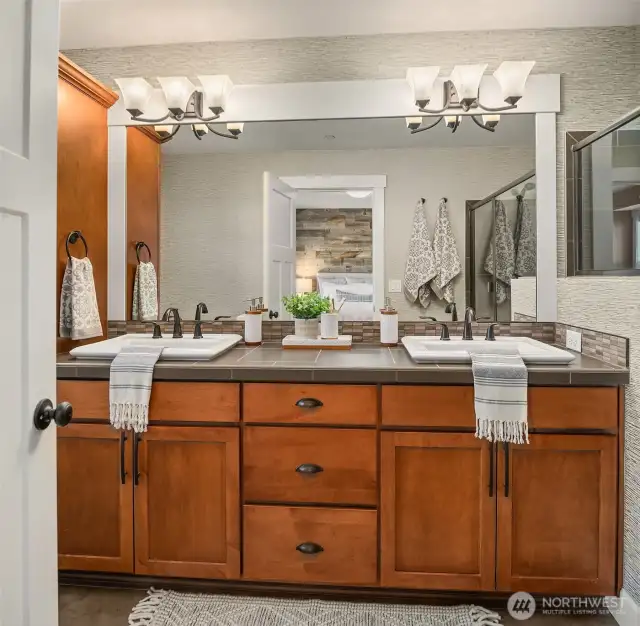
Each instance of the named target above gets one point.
<point>187,502</point>
<point>437,511</point>
<point>557,515</point>
<point>95,499</point>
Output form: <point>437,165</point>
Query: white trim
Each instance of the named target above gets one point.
<point>365,99</point>
<point>377,184</point>
<point>117,225</point>
<point>546,216</point>
<point>624,609</point>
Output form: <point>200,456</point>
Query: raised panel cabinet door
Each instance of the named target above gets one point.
<point>95,499</point>
<point>438,511</point>
<point>187,502</point>
<point>557,502</point>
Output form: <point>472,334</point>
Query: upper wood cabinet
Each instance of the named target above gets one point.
<point>95,499</point>
<point>187,502</point>
<point>557,515</point>
<point>438,511</point>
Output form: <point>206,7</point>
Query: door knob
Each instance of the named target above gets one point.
<point>45,413</point>
<point>273,314</point>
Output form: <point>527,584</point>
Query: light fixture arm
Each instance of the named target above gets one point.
<point>478,123</point>
<point>423,128</point>
<point>508,107</point>
<point>146,120</point>
<point>217,132</point>
<point>446,98</point>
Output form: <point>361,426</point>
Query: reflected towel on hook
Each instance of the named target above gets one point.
<point>525,241</point>
<point>505,256</point>
<point>145,293</point>
<point>79,316</point>
<point>421,261</point>
<point>448,264</point>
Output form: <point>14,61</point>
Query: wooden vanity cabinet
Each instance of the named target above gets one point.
<point>95,499</point>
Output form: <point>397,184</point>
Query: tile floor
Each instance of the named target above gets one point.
<point>107,607</point>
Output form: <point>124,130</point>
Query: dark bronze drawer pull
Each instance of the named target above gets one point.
<point>309,548</point>
<point>309,403</point>
<point>309,468</point>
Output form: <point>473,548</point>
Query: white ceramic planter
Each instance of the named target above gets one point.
<point>307,328</point>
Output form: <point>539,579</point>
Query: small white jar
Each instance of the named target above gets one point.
<point>388,325</point>
<point>253,328</point>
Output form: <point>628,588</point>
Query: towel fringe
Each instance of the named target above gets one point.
<point>129,416</point>
<point>144,612</point>
<point>502,430</point>
<point>483,617</point>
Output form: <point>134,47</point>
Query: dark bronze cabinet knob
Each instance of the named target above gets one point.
<point>309,468</point>
<point>308,403</point>
<point>45,413</point>
<point>308,547</point>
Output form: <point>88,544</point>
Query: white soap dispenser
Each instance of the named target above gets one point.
<point>388,325</point>
<point>253,325</point>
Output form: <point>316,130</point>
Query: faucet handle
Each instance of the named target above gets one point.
<point>157,331</point>
<point>444,328</point>
<point>490,336</point>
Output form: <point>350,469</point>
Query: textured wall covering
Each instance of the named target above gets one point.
<point>211,212</point>
<point>339,240</point>
<point>599,67</point>
<point>612,305</point>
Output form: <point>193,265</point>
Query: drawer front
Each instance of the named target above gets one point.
<point>422,406</point>
<point>314,465</point>
<point>89,398</point>
<point>310,404</point>
<point>573,407</point>
<point>195,402</point>
<point>310,545</point>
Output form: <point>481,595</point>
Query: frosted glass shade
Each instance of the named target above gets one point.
<point>422,81</point>
<point>466,79</point>
<point>177,91</point>
<point>512,78</point>
<point>163,129</point>
<point>216,91</point>
<point>136,93</point>
<point>359,193</point>
<point>235,128</point>
<point>413,122</point>
<point>491,120</point>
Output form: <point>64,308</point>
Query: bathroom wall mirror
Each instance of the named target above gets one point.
<point>347,233</point>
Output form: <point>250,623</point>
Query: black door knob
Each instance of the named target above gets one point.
<point>273,314</point>
<point>45,413</point>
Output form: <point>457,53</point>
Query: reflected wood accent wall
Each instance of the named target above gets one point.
<point>83,103</point>
<point>143,201</point>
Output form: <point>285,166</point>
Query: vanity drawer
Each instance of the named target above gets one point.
<point>345,541</point>
<point>341,465</point>
<point>323,404</point>
<point>428,406</point>
<point>89,398</point>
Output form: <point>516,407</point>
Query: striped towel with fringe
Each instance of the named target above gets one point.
<point>500,389</point>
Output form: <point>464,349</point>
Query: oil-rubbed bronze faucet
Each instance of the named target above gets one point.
<point>200,309</point>
<point>469,316</point>
<point>177,325</point>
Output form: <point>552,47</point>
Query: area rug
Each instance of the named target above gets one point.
<point>169,608</point>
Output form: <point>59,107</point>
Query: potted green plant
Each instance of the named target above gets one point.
<point>306,309</point>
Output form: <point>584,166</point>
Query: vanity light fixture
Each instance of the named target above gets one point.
<point>462,91</point>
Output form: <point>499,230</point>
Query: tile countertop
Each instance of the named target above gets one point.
<point>362,364</point>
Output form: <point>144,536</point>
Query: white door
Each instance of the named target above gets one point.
<point>279,232</point>
<point>28,153</point>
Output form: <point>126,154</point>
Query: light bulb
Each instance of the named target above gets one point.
<point>216,90</point>
<point>422,81</point>
<point>177,91</point>
<point>136,93</point>
<point>235,128</point>
<point>413,123</point>
<point>512,78</point>
<point>466,79</point>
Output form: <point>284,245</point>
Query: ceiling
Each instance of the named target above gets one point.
<point>111,23</point>
<point>513,130</point>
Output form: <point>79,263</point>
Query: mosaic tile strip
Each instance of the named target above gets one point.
<point>611,349</point>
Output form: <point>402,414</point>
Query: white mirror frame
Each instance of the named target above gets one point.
<point>348,100</point>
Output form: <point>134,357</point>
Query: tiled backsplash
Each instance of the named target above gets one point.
<point>609,348</point>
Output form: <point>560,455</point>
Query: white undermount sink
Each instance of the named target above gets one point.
<point>456,350</point>
<point>185,349</point>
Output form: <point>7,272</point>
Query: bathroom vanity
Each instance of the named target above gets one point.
<point>357,474</point>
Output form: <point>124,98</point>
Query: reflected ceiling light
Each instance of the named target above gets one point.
<point>199,130</point>
<point>235,128</point>
<point>359,193</point>
<point>462,91</point>
<point>166,132</point>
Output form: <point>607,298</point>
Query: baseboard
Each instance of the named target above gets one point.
<point>627,612</point>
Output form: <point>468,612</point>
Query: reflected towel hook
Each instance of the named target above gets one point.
<point>139,246</point>
<point>72,237</point>
<point>445,199</point>
<point>422,200</point>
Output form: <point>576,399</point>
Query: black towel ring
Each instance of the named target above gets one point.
<point>72,237</point>
<point>139,246</point>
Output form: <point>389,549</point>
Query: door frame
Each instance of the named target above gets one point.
<point>376,183</point>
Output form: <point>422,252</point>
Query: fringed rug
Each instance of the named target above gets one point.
<point>169,608</point>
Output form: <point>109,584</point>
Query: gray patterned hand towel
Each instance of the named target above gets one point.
<point>145,293</point>
<point>421,261</point>
<point>500,387</point>
<point>525,241</point>
<point>448,264</point>
<point>79,316</point>
<point>130,387</point>
<point>504,257</point>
